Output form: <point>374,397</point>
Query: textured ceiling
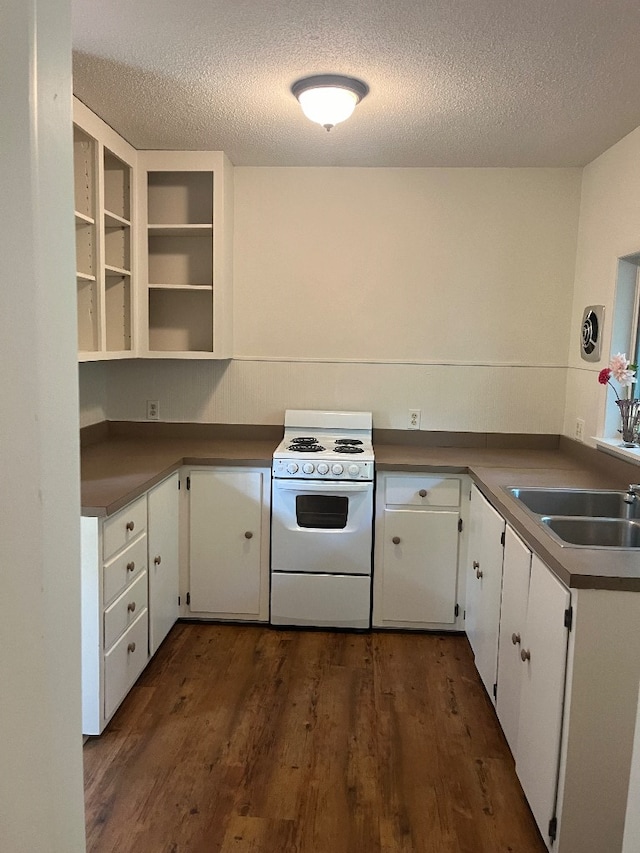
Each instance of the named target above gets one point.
<point>452,82</point>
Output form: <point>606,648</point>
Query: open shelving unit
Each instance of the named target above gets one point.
<point>186,253</point>
<point>104,202</point>
<point>154,248</point>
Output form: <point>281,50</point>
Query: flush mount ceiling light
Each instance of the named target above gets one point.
<point>329,98</point>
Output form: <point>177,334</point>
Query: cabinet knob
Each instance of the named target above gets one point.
<point>525,655</point>
<point>515,639</point>
<point>131,566</point>
<point>130,525</point>
<point>423,493</point>
<point>396,540</point>
<point>157,560</point>
<point>131,606</point>
<point>131,648</point>
<point>478,574</point>
<point>248,535</point>
<point>476,565</point>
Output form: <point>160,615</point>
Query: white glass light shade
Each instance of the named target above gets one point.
<point>328,105</point>
<point>329,98</point>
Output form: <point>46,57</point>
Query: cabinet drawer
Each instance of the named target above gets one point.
<point>124,663</point>
<point>123,527</point>
<point>124,568</point>
<point>422,491</point>
<point>125,610</point>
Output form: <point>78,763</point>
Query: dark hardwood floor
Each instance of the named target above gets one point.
<point>242,738</point>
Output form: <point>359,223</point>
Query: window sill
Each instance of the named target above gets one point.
<point>614,447</point>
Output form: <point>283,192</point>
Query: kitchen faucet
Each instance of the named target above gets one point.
<point>633,493</point>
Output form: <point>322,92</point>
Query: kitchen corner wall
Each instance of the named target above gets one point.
<point>609,229</point>
<point>446,290</point>
<point>93,392</point>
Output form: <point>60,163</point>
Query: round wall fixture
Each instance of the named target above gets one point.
<point>592,323</point>
<point>329,98</point>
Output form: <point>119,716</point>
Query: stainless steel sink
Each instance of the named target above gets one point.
<point>595,532</point>
<point>578,502</point>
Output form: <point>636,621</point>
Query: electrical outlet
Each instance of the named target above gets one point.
<point>414,419</point>
<point>579,429</point>
<point>153,410</point>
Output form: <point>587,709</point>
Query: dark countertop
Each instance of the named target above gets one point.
<point>120,467</point>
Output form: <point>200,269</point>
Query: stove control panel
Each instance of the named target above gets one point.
<point>283,468</point>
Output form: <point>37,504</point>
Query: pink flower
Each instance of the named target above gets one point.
<point>619,368</point>
<point>604,376</point>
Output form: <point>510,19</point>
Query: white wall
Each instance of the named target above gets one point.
<point>92,378</point>
<point>41,794</point>
<point>609,228</point>
<point>385,289</point>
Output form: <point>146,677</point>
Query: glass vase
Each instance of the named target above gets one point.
<point>629,417</point>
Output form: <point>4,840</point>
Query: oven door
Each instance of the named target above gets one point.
<point>321,527</point>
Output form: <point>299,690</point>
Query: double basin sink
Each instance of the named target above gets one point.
<point>582,518</point>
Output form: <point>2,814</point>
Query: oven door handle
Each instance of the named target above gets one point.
<point>327,486</point>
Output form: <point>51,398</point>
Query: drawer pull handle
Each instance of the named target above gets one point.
<point>423,493</point>
<point>131,567</point>
<point>515,639</point>
<point>525,655</point>
<point>479,574</point>
<point>157,560</point>
<point>130,525</point>
<point>476,565</point>
<point>131,648</point>
<point>248,535</point>
<point>396,540</point>
<point>131,607</point>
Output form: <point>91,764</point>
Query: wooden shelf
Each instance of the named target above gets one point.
<point>83,276</point>
<point>112,220</point>
<point>111,271</point>
<point>161,286</point>
<point>82,218</point>
<point>180,230</point>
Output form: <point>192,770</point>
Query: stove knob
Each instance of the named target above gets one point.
<point>353,470</point>
<point>308,468</point>
<point>323,468</point>
<point>337,468</point>
<point>292,467</point>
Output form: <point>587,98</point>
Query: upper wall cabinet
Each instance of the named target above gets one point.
<point>185,250</point>
<point>104,169</point>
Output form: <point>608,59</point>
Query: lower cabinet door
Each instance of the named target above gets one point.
<point>124,662</point>
<point>484,585</point>
<point>544,647</point>
<point>420,566</point>
<point>164,566</point>
<point>513,617</point>
<point>225,530</point>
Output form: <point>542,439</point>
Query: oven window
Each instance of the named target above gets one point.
<point>328,512</point>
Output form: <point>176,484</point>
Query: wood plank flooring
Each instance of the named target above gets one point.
<point>242,739</point>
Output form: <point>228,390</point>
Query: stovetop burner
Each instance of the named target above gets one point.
<point>348,448</point>
<point>348,441</point>
<point>304,439</point>
<point>306,448</point>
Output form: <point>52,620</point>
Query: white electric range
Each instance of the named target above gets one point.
<point>322,520</point>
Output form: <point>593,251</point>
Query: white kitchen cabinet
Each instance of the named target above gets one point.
<point>114,598</point>
<point>483,587</point>
<point>418,531</point>
<point>164,566</point>
<point>186,250</point>
<point>531,673</point>
<point>104,174</point>
<point>544,659</point>
<point>513,615</point>
<point>129,596</point>
<point>229,543</point>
